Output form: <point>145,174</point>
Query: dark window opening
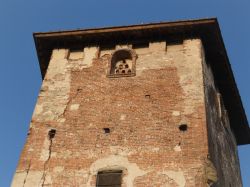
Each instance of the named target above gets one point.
<point>109,179</point>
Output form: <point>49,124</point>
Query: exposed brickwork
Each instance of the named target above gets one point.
<point>141,114</point>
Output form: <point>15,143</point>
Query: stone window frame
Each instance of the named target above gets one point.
<point>113,61</point>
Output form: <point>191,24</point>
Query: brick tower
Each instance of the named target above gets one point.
<point>145,105</point>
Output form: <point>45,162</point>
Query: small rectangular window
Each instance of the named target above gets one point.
<point>109,179</point>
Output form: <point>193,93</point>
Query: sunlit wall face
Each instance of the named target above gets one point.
<point>20,78</point>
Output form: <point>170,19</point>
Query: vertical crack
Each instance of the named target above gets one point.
<point>68,102</point>
<point>51,135</point>
<point>27,172</point>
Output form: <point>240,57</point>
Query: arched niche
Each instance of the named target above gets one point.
<point>122,63</point>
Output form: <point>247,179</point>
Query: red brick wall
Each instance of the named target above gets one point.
<point>143,113</point>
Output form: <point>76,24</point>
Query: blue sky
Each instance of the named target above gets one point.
<point>20,78</point>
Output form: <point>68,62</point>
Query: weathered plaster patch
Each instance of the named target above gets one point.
<point>32,179</point>
<point>157,46</point>
<point>119,150</point>
<point>30,149</point>
<point>59,54</point>
<point>38,109</point>
<point>128,46</point>
<point>19,179</point>
<point>75,55</point>
<point>61,120</point>
<point>155,149</point>
<point>190,73</point>
<point>177,148</point>
<point>142,51</point>
<point>122,117</point>
<point>156,57</point>
<point>117,162</point>
<point>53,154</point>
<point>58,169</point>
<point>65,154</point>
<point>89,54</point>
<point>52,103</point>
<point>48,181</point>
<point>176,113</point>
<point>74,107</point>
<point>106,52</point>
<point>177,176</point>
<point>45,150</point>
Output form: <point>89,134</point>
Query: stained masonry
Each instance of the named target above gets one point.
<point>165,125</point>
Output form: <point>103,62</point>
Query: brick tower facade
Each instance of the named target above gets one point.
<point>144,105</point>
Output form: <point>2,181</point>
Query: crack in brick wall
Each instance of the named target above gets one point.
<point>45,167</point>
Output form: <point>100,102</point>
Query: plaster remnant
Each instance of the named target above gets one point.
<point>189,73</point>
<point>57,97</point>
<point>45,150</point>
<point>59,54</point>
<point>155,149</point>
<point>157,46</point>
<point>76,55</point>
<point>142,51</point>
<point>66,154</point>
<point>104,52</point>
<point>38,109</point>
<point>58,169</point>
<point>120,150</point>
<point>20,178</point>
<point>177,148</point>
<point>177,176</point>
<point>176,113</point>
<point>123,116</point>
<point>128,46</point>
<point>27,172</point>
<point>53,154</point>
<point>118,163</point>
<point>61,120</point>
<point>32,179</point>
<point>74,107</point>
<point>43,178</point>
<point>89,55</point>
<point>143,63</point>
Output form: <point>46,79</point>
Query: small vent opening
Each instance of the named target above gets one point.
<point>52,133</point>
<point>183,127</point>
